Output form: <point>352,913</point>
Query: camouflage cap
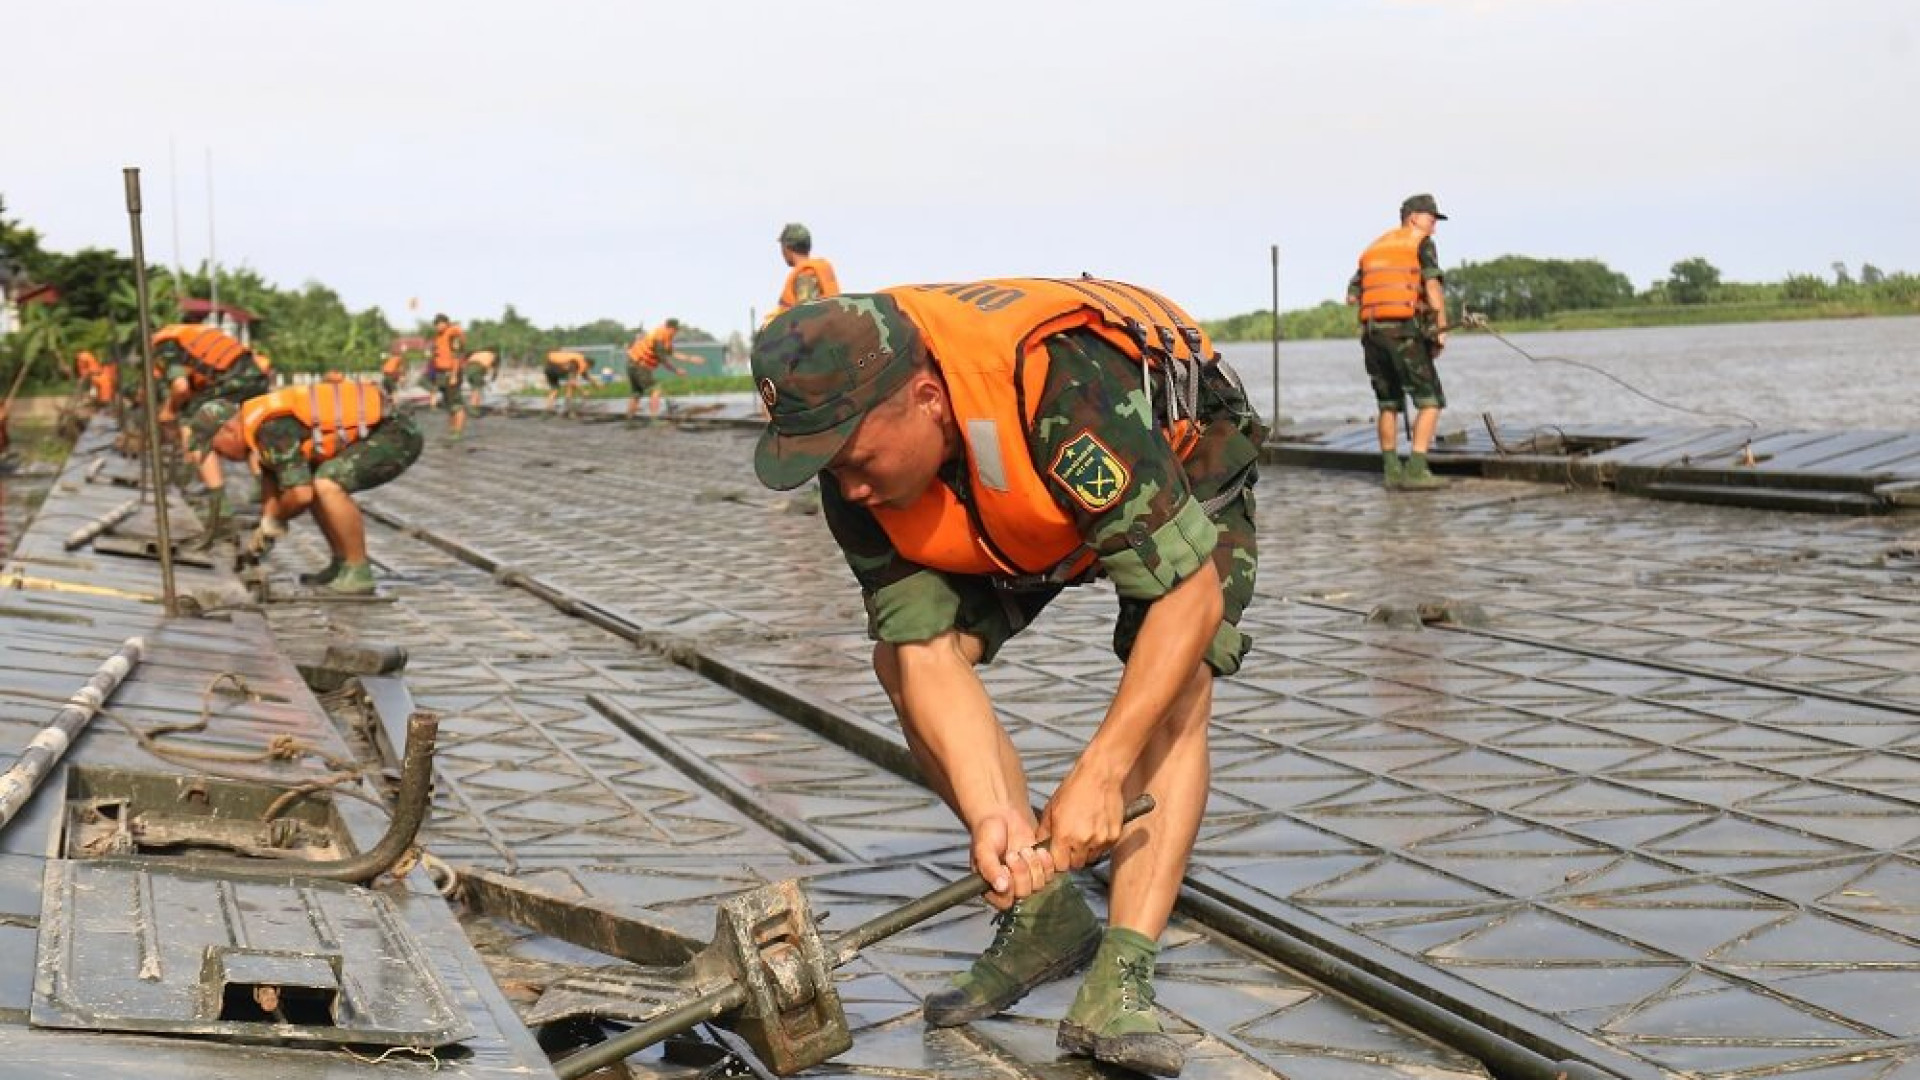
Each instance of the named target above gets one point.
<point>207,420</point>
<point>795,235</point>
<point>819,367</point>
<point>1421,204</point>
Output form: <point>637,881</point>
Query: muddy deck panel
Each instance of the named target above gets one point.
<point>1661,805</point>
<point>669,835</point>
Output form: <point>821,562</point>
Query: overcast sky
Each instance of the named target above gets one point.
<point>637,159</point>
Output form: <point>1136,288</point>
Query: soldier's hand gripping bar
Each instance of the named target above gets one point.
<point>717,1005</point>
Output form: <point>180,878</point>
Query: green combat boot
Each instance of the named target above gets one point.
<point>1420,478</point>
<point>354,579</point>
<point>1395,472</point>
<point>1112,1019</point>
<point>1047,936</point>
<point>323,575</point>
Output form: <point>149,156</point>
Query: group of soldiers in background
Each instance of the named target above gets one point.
<point>314,445</point>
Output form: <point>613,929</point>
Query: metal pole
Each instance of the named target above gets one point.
<point>19,783</point>
<point>1274,251</point>
<point>153,399</point>
<point>213,253</point>
<point>173,195</point>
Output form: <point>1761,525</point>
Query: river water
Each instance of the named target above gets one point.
<point>1838,373</point>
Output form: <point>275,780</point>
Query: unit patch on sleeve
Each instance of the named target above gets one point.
<point>1090,472</point>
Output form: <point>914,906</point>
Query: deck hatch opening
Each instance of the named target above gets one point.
<point>254,986</point>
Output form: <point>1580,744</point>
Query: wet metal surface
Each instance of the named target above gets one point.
<point>643,804</point>
<point>51,636</point>
<point>1660,808</point>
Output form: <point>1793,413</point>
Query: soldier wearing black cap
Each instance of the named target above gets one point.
<point>1403,328</point>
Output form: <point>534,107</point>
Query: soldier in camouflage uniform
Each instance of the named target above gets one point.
<point>1403,327</point>
<point>1175,536</point>
<point>292,480</point>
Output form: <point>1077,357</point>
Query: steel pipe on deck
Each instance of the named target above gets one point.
<point>18,783</point>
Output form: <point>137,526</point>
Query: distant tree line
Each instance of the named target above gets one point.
<point>1519,287</point>
<point>304,329</point>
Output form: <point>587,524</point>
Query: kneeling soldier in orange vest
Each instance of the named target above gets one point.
<point>564,370</point>
<point>979,447</point>
<point>316,445</point>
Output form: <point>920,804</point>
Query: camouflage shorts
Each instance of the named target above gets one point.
<point>448,383</point>
<point>386,452</point>
<point>1400,366</point>
<point>640,378</point>
<point>995,615</point>
<point>389,383</point>
<point>242,381</point>
<point>476,376</point>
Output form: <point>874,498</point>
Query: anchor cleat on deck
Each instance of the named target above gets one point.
<point>1047,936</point>
<point>1112,1019</point>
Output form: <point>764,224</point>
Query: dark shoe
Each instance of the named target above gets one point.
<point>321,576</point>
<point>1113,1019</point>
<point>1047,936</point>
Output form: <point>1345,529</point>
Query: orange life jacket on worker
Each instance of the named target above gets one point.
<point>335,414</point>
<point>85,365</point>
<point>393,365</point>
<point>106,381</point>
<point>658,341</point>
<point>574,363</point>
<point>444,357</point>
<point>821,269</point>
<point>988,339</point>
<point>1390,283</point>
<point>210,351</point>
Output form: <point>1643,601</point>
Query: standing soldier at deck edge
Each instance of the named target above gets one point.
<point>1403,327</point>
<point>983,446</point>
<point>449,347</point>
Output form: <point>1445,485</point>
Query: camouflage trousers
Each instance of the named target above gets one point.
<point>1400,366</point>
<point>388,450</point>
<point>640,379</point>
<point>242,381</point>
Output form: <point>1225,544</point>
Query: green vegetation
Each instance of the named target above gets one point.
<point>304,329</point>
<point>1521,293</point>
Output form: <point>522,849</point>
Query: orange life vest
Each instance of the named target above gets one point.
<point>85,365</point>
<point>574,363</point>
<point>210,351</point>
<point>393,365</point>
<point>335,414</point>
<point>106,380</point>
<point>1390,284</point>
<point>988,339</point>
<point>821,269</point>
<point>648,349</point>
<point>444,358</point>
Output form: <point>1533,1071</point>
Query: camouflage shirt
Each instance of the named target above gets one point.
<point>1149,537</point>
<point>806,286</point>
<point>279,440</point>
